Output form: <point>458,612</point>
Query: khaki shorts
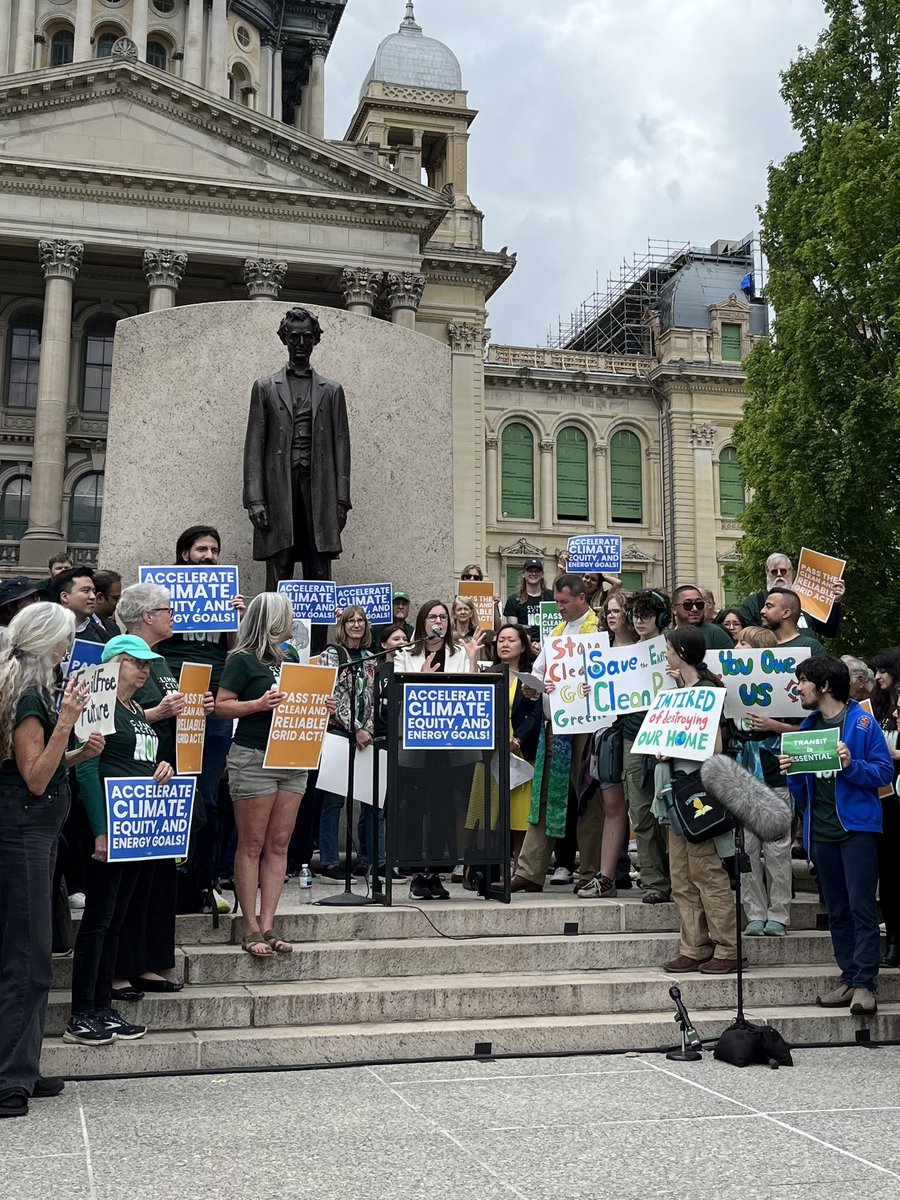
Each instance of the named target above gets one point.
<point>247,777</point>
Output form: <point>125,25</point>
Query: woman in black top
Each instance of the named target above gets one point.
<point>524,606</point>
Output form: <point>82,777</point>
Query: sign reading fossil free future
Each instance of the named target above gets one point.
<point>201,596</point>
<point>145,819</point>
<point>595,552</point>
<point>761,683</point>
<point>682,724</point>
<point>448,714</point>
<point>590,682</point>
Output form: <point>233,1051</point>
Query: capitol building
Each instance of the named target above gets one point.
<point>156,153</point>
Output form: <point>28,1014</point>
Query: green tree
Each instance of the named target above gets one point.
<point>820,435</point>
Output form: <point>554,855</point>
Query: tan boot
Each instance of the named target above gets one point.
<point>839,997</point>
<point>864,1003</point>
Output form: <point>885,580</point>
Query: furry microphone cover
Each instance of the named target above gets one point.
<point>749,801</point>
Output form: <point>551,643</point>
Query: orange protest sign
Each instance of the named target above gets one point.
<point>885,791</point>
<point>482,592</point>
<point>299,722</point>
<point>816,576</point>
<point>190,724</point>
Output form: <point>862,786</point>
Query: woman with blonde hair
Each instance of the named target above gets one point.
<point>265,800</point>
<point>34,800</point>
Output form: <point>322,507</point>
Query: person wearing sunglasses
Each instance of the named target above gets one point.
<point>780,574</point>
<point>474,574</point>
<point>689,608</point>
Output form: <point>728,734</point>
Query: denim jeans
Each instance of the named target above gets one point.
<point>364,833</point>
<point>215,751</point>
<point>329,824</point>
<point>29,829</point>
<point>848,875</point>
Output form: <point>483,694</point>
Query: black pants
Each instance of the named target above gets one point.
<point>888,873</point>
<point>313,564</point>
<point>110,887</point>
<point>147,936</point>
<point>29,829</point>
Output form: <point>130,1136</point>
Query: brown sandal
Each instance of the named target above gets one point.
<point>256,939</point>
<point>277,942</point>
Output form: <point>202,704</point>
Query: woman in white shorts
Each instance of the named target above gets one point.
<point>265,800</point>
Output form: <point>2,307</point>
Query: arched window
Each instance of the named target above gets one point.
<point>24,360</point>
<point>517,472</point>
<point>14,503</point>
<point>626,483</point>
<point>157,55</point>
<point>731,489</point>
<point>98,348</point>
<point>62,47</point>
<point>105,42</point>
<point>85,509</point>
<point>571,475</point>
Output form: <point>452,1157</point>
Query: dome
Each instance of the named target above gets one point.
<point>411,58</point>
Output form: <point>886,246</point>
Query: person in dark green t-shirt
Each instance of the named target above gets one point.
<point>689,608</point>
<point>780,613</point>
<point>524,606</point>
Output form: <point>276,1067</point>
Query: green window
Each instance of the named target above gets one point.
<point>571,475</point>
<point>99,334</point>
<point>14,505</point>
<point>85,509</point>
<point>731,343</point>
<point>518,472</point>
<point>632,581</point>
<point>625,478</point>
<point>513,579</point>
<point>731,489</point>
<point>23,361</point>
<point>731,588</point>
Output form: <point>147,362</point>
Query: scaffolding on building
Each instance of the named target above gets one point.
<point>615,321</point>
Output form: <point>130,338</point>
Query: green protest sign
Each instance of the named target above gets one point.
<point>550,619</point>
<point>812,750</point>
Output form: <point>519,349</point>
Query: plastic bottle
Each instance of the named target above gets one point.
<point>306,882</point>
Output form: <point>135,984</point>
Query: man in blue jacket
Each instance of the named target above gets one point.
<point>841,826</point>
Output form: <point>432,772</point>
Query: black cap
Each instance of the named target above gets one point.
<point>17,588</point>
<point>533,562</point>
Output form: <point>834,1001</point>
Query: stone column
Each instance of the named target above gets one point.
<point>404,293</point>
<point>298,114</point>
<point>60,261</point>
<point>264,277</point>
<point>546,502</point>
<point>5,34</point>
<point>361,287</point>
<point>193,43</point>
<point>24,51</point>
<point>277,98</point>
<point>601,490</point>
<point>492,443</point>
<point>216,72</point>
<point>140,18</point>
<point>468,440</point>
<point>164,271</point>
<point>316,122</point>
<point>703,439</point>
<point>304,108</point>
<point>82,49</point>
<point>267,41</point>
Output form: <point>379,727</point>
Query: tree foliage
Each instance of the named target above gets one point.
<point>820,435</point>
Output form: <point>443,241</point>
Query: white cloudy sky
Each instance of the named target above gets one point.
<point>602,123</point>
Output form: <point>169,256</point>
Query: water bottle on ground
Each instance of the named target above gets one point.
<point>306,882</point>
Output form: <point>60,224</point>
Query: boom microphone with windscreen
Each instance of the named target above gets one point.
<point>749,801</point>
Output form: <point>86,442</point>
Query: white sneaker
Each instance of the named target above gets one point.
<point>76,900</point>
<point>458,873</point>
<point>562,875</point>
<point>221,903</point>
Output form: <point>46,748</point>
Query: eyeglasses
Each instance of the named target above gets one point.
<point>166,610</point>
<point>692,604</point>
<point>142,664</point>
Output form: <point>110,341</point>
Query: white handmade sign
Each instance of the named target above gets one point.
<point>761,683</point>
<point>682,724</point>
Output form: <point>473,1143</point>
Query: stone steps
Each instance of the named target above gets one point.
<point>225,1049</point>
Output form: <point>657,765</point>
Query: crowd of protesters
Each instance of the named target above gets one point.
<point>573,823</point>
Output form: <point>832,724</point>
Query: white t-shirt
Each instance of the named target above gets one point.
<point>540,665</point>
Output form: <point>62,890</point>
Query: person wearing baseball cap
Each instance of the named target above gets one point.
<point>401,617</point>
<point>524,606</point>
<point>15,594</point>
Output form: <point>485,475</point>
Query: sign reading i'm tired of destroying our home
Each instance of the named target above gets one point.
<point>682,724</point>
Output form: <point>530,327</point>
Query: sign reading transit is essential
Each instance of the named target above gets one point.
<point>145,819</point>
<point>201,596</point>
<point>595,552</point>
<point>375,599</point>
<point>448,715</point>
<point>812,751</point>
<point>313,600</point>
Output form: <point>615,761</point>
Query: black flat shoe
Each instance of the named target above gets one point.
<point>127,993</point>
<point>159,985</point>
<point>14,1105</point>
<point>47,1085</point>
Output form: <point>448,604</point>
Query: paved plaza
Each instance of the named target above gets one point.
<point>633,1128</point>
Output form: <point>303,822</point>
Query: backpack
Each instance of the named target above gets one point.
<point>700,817</point>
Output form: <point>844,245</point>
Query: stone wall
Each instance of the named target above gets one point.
<point>178,411</point>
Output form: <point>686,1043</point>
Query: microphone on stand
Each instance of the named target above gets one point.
<point>747,798</point>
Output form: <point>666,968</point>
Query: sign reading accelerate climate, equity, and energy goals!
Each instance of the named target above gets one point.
<point>201,596</point>
<point>595,553</point>
<point>450,715</point>
<point>146,819</point>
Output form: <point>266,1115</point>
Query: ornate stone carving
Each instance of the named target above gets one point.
<point>465,337</point>
<point>264,278</point>
<point>164,268</point>
<point>523,549</point>
<point>404,289</point>
<point>320,48</point>
<point>491,441</point>
<point>703,436</point>
<point>633,553</point>
<point>124,50</point>
<point>361,286</point>
<point>599,451</point>
<point>547,447</point>
<point>60,259</point>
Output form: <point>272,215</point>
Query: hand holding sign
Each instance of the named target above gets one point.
<point>74,699</point>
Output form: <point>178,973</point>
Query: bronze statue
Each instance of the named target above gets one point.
<point>297,461</point>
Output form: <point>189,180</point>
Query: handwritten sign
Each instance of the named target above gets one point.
<point>299,722</point>
<point>201,596</point>
<point>190,724</point>
<point>448,715</point>
<point>84,654</point>
<point>482,592</point>
<point>594,682</point>
<point>812,751</point>
<point>814,582</point>
<point>375,599</point>
<point>595,552</point>
<point>682,724</point>
<point>145,819</point>
<point>313,600</point>
<point>550,619</point>
<point>99,716</point>
<point>761,683</point>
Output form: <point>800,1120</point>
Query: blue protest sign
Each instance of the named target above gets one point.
<point>448,715</point>
<point>201,596</point>
<point>313,600</point>
<point>84,654</point>
<point>145,819</point>
<point>595,552</point>
<point>375,599</point>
